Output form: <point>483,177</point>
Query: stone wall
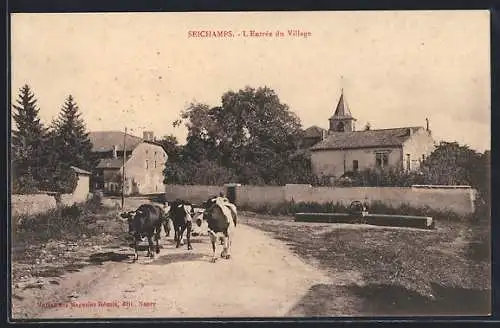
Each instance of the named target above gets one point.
<point>457,199</point>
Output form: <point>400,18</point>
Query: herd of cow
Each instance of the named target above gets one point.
<point>148,219</point>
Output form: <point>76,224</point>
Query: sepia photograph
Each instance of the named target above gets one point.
<point>220,165</point>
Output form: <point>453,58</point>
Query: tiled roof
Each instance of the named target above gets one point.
<point>110,163</point>
<point>366,139</point>
<point>313,132</point>
<point>79,170</point>
<point>104,141</point>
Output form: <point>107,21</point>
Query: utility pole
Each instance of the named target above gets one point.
<point>123,166</point>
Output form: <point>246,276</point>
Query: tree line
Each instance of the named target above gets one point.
<point>253,138</point>
<point>42,156</point>
<point>250,138</point>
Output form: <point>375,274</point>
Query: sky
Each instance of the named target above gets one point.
<point>140,70</point>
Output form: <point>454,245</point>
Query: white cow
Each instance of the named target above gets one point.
<point>221,216</point>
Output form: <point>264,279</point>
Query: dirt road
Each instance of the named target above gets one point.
<point>263,278</point>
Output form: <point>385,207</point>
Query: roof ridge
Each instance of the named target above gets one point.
<point>115,131</point>
<point>386,129</point>
<point>315,126</point>
<point>389,137</point>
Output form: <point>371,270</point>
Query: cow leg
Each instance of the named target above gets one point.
<point>166,226</point>
<point>181,236</point>
<point>157,239</point>
<point>189,226</point>
<point>150,246</point>
<point>224,248</point>
<point>136,254</point>
<point>180,231</point>
<point>213,240</point>
<point>227,244</point>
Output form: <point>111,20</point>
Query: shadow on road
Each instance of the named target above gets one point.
<point>389,300</point>
<point>56,271</point>
<point>177,257</point>
<point>100,258</point>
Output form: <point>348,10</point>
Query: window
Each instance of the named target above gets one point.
<point>340,127</point>
<point>408,162</point>
<point>355,165</point>
<point>155,163</point>
<point>147,166</point>
<point>381,159</point>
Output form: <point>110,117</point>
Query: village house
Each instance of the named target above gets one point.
<point>313,135</point>
<point>343,149</point>
<point>82,187</point>
<point>144,163</point>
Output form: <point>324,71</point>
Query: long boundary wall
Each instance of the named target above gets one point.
<point>32,204</point>
<point>459,199</point>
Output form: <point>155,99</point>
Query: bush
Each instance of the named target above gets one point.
<point>58,223</point>
<point>94,204</point>
<point>71,212</point>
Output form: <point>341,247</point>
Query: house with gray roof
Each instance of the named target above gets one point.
<point>343,149</point>
<point>140,160</point>
<point>312,135</point>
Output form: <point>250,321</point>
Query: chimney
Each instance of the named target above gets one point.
<point>427,124</point>
<point>148,135</point>
<point>115,155</point>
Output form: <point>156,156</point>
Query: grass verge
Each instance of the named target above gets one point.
<point>390,271</point>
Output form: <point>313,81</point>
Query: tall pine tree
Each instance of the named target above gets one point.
<point>72,140</point>
<point>69,145</point>
<point>27,143</point>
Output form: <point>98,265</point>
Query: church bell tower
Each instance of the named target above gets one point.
<point>342,120</point>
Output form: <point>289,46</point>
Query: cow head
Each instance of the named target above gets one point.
<point>198,216</point>
<point>209,203</point>
<point>129,218</point>
<point>188,209</point>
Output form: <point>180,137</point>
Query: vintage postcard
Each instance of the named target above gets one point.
<point>250,164</point>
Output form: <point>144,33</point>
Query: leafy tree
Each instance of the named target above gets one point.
<point>453,164</point>
<point>27,143</point>
<point>171,146</point>
<point>252,134</point>
<point>297,169</point>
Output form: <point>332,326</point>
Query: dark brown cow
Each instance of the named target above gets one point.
<point>145,221</point>
<point>181,215</point>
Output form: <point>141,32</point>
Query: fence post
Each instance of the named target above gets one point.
<point>231,192</point>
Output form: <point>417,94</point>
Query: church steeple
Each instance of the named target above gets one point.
<point>342,119</point>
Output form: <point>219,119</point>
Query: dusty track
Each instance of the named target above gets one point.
<point>263,278</point>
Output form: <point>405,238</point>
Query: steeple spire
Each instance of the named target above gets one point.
<point>342,119</point>
<point>342,110</point>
